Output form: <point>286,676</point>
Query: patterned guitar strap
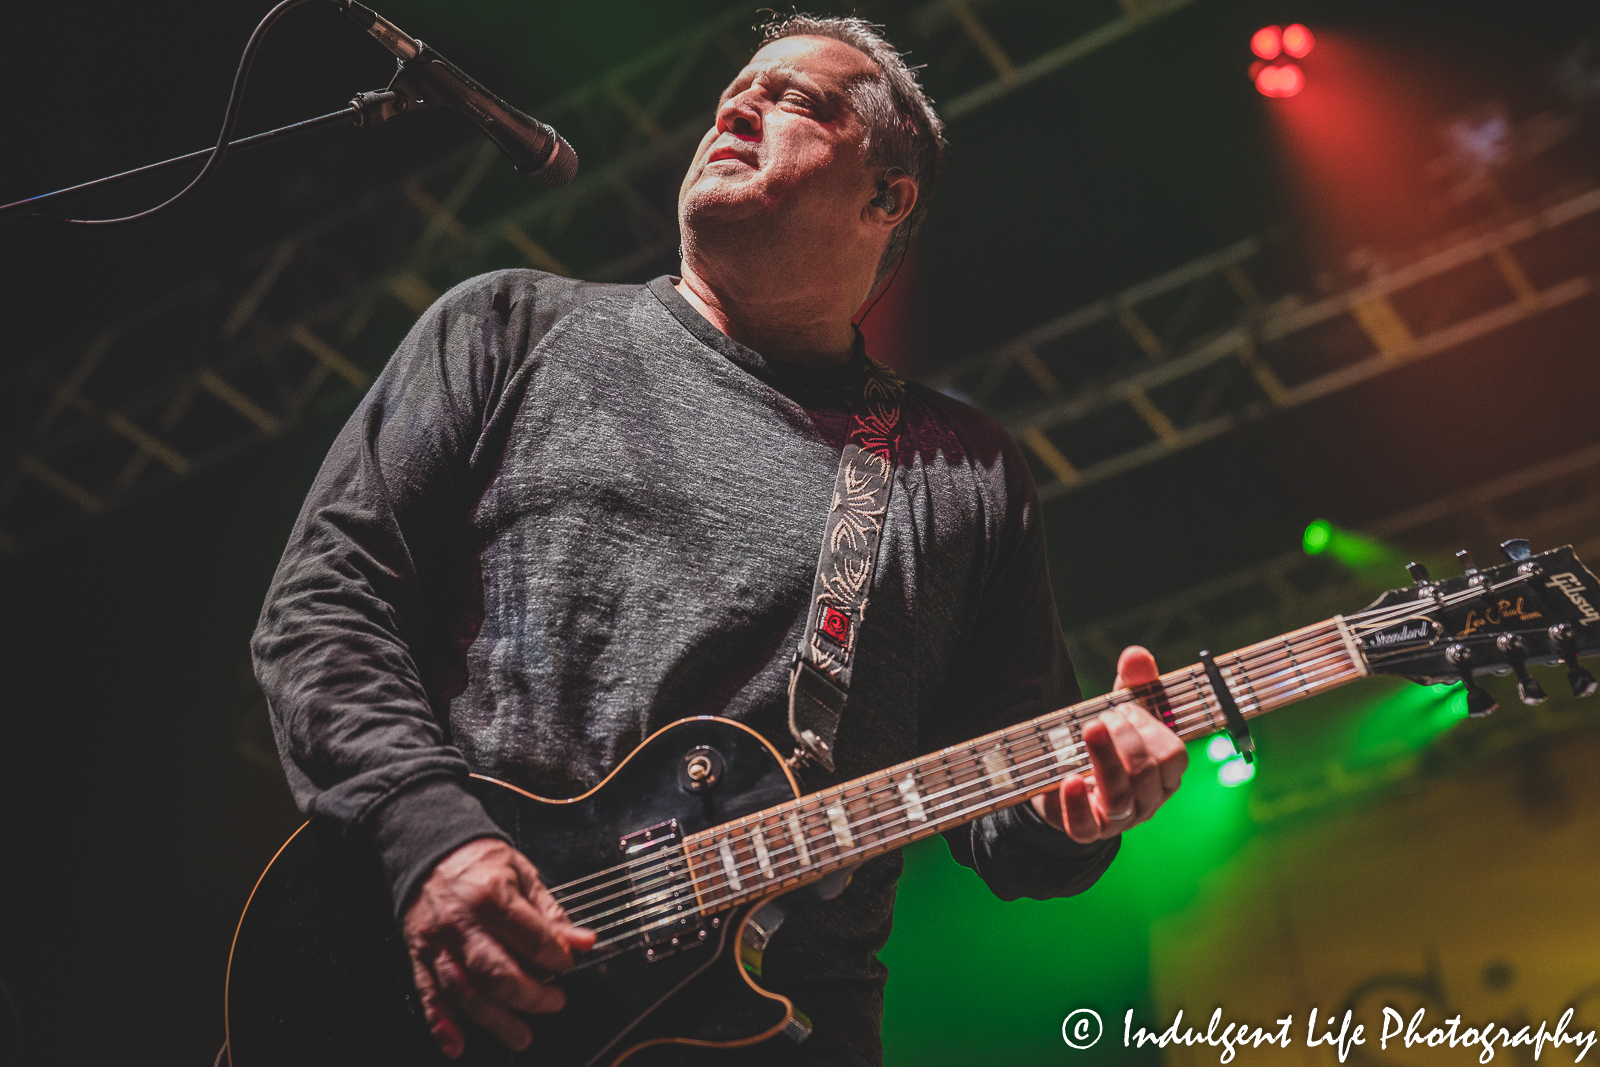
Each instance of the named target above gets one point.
<point>819,683</point>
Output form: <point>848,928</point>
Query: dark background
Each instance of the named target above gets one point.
<point>138,780</point>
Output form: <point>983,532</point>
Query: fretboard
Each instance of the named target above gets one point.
<point>783,847</point>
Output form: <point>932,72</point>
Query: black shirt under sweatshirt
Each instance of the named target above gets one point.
<point>568,514</point>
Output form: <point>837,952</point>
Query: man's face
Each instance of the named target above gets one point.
<point>786,140</point>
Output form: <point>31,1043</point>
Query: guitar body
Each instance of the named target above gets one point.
<point>319,974</point>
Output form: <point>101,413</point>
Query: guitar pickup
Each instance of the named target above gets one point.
<point>668,921</point>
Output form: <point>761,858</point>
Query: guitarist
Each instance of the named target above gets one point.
<point>567,514</point>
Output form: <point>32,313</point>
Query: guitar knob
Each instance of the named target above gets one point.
<point>1468,567</point>
<point>1418,572</point>
<point>1479,702</point>
<point>1517,549</point>
<point>1528,687</point>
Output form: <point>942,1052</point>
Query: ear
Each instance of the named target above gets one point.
<point>892,200</point>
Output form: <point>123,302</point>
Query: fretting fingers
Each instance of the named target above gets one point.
<point>1077,812</point>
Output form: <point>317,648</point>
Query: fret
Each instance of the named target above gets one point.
<point>1304,686</point>
<point>1244,678</point>
<point>801,840</point>
<point>969,780</point>
<point>888,808</point>
<point>864,825</point>
<point>1025,752</point>
<point>744,853</point>
<point>1202,685</point>
<point>980,781</point>
<point>1046,749</point>
<point>1294,662</point>
<point>933,778</point>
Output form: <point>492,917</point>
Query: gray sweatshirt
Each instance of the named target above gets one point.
<point>567,514</point>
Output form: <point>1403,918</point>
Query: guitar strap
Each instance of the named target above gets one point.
<point>819,682</point>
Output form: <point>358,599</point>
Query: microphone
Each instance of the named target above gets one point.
<point>534,149</point>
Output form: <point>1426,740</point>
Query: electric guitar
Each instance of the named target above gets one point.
<point>688,855</point>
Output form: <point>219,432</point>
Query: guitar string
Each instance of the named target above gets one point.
<point>1314,663</point>
<point>1365,621</point>
<point>889,785</point>
<point>721,902</point>
<point>1185,720</point>
<point>717,904</point>
<point>1376,617</point>
<point>1266,689</point>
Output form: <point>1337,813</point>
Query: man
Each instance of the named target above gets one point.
<point>568,514</point>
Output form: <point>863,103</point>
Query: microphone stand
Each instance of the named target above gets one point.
<point>365,110</point>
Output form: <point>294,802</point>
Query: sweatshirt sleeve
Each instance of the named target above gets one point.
<point>1015,667</point>
<point>339,646</point>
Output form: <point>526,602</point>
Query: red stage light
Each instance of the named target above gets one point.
<point>1268,42</point>
<point>1280,80</point>
<point>1297,40</point>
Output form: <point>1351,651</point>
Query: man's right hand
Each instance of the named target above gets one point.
<point>486,938</point>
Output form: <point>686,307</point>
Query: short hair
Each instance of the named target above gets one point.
<point>903,130</point>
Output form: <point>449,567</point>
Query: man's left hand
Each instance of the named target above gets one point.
<point>1137,764</point>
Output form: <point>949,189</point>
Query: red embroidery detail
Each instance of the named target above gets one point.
<point>836,624</point>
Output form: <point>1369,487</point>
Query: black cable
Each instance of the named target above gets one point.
<point>898,264</point>
<point>229,120</point>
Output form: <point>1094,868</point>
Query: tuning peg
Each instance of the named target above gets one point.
<point>1517,549</point>
<point>1528,688</point>
<point>1418,572</point>
<point>1479,702</point>
<point>1563,637</point>
<point>1468,567</point>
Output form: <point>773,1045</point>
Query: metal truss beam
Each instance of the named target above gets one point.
<point>222,364</point>
<point>1225,357</point>
<point>1551,503</point>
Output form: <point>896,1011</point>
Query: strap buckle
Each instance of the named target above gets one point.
<point>815,705</point>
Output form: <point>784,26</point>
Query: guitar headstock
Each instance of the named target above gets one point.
<point>1533,609</point>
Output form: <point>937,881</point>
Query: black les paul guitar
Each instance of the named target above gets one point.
<point>686,858</point>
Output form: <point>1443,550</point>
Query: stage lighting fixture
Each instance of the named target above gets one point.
<point>1297,41</point>
<point>1220,750</point>
<point>1280,80</point>
<point>1267,42</point>
<point>1317,536</point>
<point>1236,772</point>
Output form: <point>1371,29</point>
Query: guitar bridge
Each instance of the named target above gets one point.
<point>668,920</point>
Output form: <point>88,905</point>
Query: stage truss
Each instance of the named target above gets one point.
<point>227,362</point>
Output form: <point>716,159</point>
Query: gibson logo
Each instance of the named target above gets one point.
<point>1573,587</point>
<point>1405,632</point>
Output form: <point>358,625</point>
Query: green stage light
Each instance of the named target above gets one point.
<point>1317,536</point>
<point>1236,772</point>
<point>1219,749</point>
<point>1355,552</point>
